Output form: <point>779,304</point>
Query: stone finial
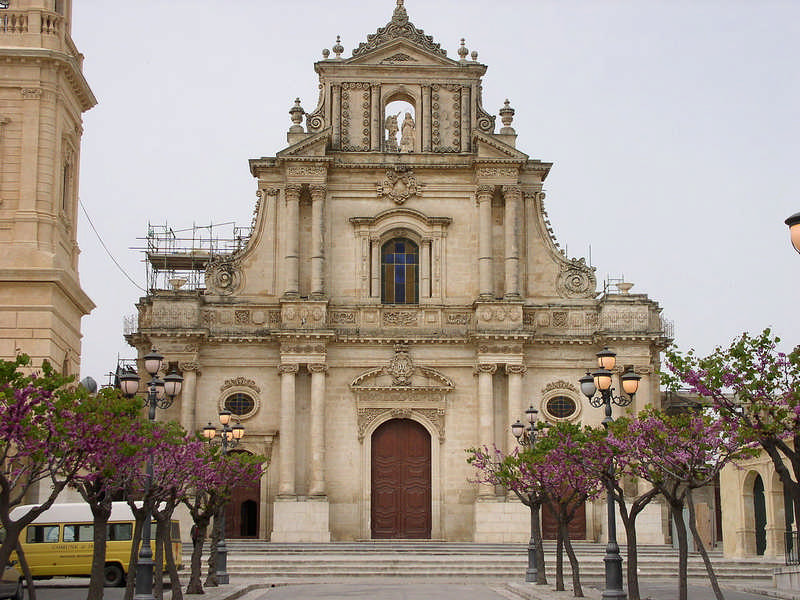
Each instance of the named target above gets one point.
<point>400,15</point>
<point>507,116</point>
<point>325,53</point>
<point>296,113</point>
<point>474,55</point>
<point>338,48</point>
<point>462,51</point>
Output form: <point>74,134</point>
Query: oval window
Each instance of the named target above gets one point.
<point>240,404</point>
<point>561,407</point>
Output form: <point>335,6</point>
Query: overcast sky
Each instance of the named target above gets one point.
<point>672,125</point>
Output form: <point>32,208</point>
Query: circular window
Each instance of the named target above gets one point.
<point>561,407</point>
<point>240,404</point>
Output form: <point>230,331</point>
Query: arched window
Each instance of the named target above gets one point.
<point>400,272</point>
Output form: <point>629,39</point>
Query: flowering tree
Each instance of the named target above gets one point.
<point>677,454</point>
<point>47,436</point>
<point>213,477</point>
<point>521,477</point>
<point>756,389</point>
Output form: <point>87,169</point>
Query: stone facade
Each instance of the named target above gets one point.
<point>401,281</point>
<point>42,96</point>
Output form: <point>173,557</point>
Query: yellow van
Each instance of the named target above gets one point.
<point>59,541</point>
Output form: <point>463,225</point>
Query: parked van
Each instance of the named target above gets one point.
<point>59,541</point>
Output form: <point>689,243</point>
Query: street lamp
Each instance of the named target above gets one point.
<point>229,438</point>
<point>160,394</point>
<point>601,380</point>
<point>794,230</point>
<point>526,437</point>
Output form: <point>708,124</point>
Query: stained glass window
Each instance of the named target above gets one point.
<point>400,272</point>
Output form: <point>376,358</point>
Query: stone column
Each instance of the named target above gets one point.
<point>484,196</point>
<point>515,401</point>
<point>336,116</point>
<point>286,467</point>
<point>292,257</point>
<point>317,433</point>
<point>376,267</point>
<point>376,130</point>
<point>425,120</point>
<point>318,193</point>
<point>189,395</point>
<point>3,122</point>
<point>485,411</point>
<point>512,194</point>
<point>425,269</point>
<point>465,104</point>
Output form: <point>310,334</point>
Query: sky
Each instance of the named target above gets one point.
<point>672,125</point>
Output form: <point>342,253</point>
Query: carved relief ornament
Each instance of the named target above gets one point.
<point>240,382</point>
<point>223,275</point>
<point>399,185</point>
<point>577,279</point>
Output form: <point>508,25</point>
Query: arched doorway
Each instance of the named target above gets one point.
<point>401,481</point>
<point>241,512</point>
<point>760,514</point>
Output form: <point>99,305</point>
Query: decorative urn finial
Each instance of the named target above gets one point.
<point>325,53</point>
<point>474,55</point>
<point>296,113</point>
<point>400,15</point>
<point>507,116</point>
<point>338,48</point>
<point>462,51</point>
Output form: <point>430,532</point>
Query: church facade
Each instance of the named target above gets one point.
<point>401,298</point>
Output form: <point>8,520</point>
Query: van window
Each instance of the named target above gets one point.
<point>175,536</point>
<point>42,533</point>
<point>78,533</point>
<point>118,532</point>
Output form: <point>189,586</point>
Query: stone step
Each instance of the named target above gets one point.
<point>441,561</point>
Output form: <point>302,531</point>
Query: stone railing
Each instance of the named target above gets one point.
<point>13,22</point>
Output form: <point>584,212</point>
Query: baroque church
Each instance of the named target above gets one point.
<point>401,298</point>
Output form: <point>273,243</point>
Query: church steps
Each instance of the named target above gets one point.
<point>441,561</point>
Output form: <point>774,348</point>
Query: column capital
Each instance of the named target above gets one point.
<point>489,368</point>
<point>189,366</point>
<point>317,367</point>
<point>293,190</point>
<point>318,191</point>
<point>516,369</point>
<point>261,193</point>
<point>484,192</point>
<point>288,368</point>
<point>514,191</point>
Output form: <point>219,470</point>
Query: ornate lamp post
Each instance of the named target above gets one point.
<point>794,230</point>
<point>229,438</point>
<point>160,394</point>
<point>601,380</point>
<point>526,437</point>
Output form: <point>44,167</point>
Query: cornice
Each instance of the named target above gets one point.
<point>58,277</point>
<point>73,69</point>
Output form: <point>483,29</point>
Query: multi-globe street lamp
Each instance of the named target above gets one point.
<point>526,437</point>
<point>601,380</point>
<point>160,394</point>
<point>229,438</point>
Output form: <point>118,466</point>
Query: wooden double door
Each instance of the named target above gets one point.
<point>401,481</point>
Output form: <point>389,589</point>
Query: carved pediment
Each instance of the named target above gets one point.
<point>314,145</point>
<point>488,146</point>
<point>401,375</point>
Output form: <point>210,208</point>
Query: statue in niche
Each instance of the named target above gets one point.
<point>392,128</point>
<point>407,135</point>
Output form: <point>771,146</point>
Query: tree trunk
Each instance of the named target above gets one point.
<point>536,530</point>
<point>683,550</point>
<point>100,513</point>
<point>158,561</point>
<point>172,569</point>
<point>559,562</point>
<point>211,577</point>
<point>712,577</point>
<point>26,569</point>
<point>134,559</point>
<point>629,522</point>
<point>195,585</point>
<point>577,590</point>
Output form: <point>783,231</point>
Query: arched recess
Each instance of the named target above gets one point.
<point>759,516</point>
<point>435,468</point>
<point>428,233</point>
<point>400,103</point>
<point>242,514</point>
<point>746,534</point>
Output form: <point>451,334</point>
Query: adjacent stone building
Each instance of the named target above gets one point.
<point>42,96</point>
<point>400,298</point>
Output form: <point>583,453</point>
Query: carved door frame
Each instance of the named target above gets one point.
<point>366,469</point>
